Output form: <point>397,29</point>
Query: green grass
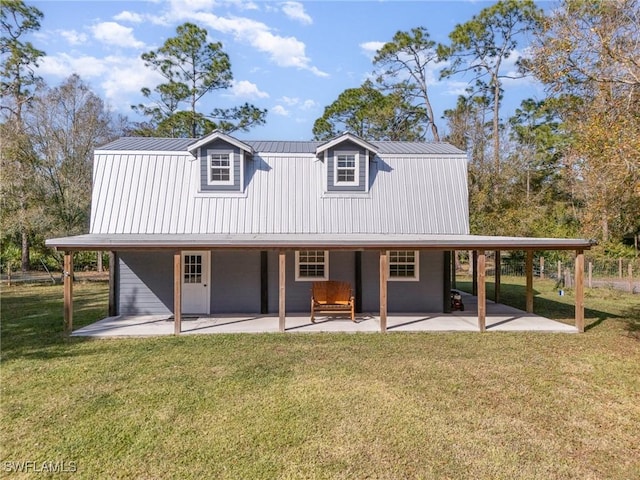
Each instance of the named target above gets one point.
<point>457,405</point>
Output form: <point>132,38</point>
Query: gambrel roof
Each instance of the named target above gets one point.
<point>150,186</point>
<point>147,194</point>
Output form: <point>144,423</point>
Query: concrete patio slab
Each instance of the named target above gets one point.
<point>499,318</point>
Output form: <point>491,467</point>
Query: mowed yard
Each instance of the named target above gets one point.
<point>495,405</point>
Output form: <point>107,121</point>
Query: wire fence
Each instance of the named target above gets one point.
<point>620,274</point>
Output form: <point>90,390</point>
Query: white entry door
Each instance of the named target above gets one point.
<point>195,282</point>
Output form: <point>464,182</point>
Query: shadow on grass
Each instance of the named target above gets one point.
<point>32,319</point>
<point>514,295</point>
<point>633,323</point>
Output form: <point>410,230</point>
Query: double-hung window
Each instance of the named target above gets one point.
<point>220,169</point>
<point>312,265</point>
<point>346,169</point>
<point>403,265</point>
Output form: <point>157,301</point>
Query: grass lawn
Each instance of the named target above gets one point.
<point>497,405</point>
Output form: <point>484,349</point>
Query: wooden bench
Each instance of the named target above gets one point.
<point>332,297</point>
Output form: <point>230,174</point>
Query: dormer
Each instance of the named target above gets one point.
<point>222,162</point>
<point>346,163</point>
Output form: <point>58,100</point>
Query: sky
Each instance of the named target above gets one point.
<point>291,58</point>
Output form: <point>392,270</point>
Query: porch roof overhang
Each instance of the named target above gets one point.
<point>114,242</point>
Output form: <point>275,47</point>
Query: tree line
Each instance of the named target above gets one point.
<point>566,165</point>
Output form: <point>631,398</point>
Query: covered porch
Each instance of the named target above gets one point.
<point>499,318</point>
<point>485,316</point>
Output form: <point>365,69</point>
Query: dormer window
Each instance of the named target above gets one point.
<point>220,169</point>
<point>346,165</point>
<point>346,168</point>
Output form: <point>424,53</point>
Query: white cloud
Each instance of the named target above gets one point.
<point>455,87</point>
<point>308,105</point>
<point>246,89</point>
<point>280,110</point>
<point>119,78</point>
<point>283,51</point>
<point>296,102</point>
<point>113,33</point>
<point>295,11</point>
<point>73,37</point>
<point>64,65</point>
<point>371,48</point>
<point>127,16</point>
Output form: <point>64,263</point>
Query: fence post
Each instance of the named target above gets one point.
<point>559,270</point>
<point>567,279</point>
<point>620,268</point>
<point>590,273</point>
<point>630,268</point>
<point>542,267</point>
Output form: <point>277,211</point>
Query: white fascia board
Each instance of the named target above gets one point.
<point>222,136</point>
<point>342,138</point>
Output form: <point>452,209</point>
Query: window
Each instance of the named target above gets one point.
<point>312,265</point>
<point>403,265</point>
<point>192,269</point>
<point>220,168</point>
<point>346,169</point>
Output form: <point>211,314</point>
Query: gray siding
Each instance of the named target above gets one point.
<point>362,181</point>
<point>298,294</point>
<point>422,296</point>
<point>235,282</point>
<point>219,146</point>
<point>145,283</point>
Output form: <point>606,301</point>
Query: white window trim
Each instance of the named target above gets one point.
<point>356,182</point>
<point>210,153</point>
<point>312,279</point>
<point>415,278</point>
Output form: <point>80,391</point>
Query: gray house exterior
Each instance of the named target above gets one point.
<point>218,225</point>
<point>147,186</point>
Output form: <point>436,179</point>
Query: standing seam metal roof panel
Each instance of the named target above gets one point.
<point>150,144</point>
<point>147,194</point>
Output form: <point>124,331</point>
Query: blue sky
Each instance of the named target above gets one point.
<point>292,58</point>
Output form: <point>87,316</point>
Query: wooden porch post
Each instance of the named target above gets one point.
<point>529,273</point>
<point>482,291</point>
<point>498,272</point>
<point>177,292</point>
<point>68,292</point>
<point>580,290</point>
<point>384,273</point>
<point>282,263</point>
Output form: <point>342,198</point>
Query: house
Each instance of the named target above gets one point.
<point>221,225</point>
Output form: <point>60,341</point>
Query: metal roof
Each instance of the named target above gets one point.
<point>148,193</point>
<point>151,144</point>
<point>347,241</point>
